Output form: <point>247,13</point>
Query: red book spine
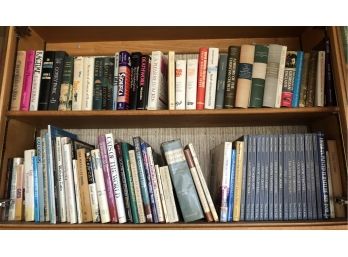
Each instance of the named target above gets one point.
<point>27,80</point>
<point>107,179</point>
<point>202,77</point>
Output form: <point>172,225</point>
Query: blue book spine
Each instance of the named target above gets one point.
<point>303,176</point>
<point>267,179</point>
<point>308,159</point>
<point>292,181</point>
<point>318,192</point>
<point>298,177</point>
<point>271,205</point>
<point>249,172</point>
<point>323,176</point>
<point>297,81</point>
<point>262,177</point>
<point>40,178</point>
<point>281,177</point>
<point>231,189</point>
<point>143,147</point>
<point>286,175</point>
<point>244,179</point>
<point>36,190</point>
<point>258,155</point>
<point>253,177</point>
<point>275,165</point>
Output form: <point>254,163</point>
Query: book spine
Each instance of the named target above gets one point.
<point>244,178</point>
<point>58,68</point>
<point>262,196</point>
<point>272,181</point>
<point>171,80</point>
<point>238,181</point>
<point>88,81</point>
<point>276,180</point>
<point>163,201</point>
<point>249,178</point>
<point>231,187</point>
<point>108,86</point>
<point>116,80</point>
<point>212,68</point>
<point>330,187</point>
<point>101,188</point>
<point>281,177</point>
<point>221,82</point>
<point>134,82</point>
<point>29,185</point>
<point>231,76</point>
<point>108,178</point>
<point>304,81</point>
<point>78,83</point>
<point>124,82</point>
<point>50,178</point>
<point>310,196</point>
<point>40,179</point>
<point>293,189</point>
<point>142,179</point>
<point>19,192</point>
<point>297,81</point>
<point>130,183</point>
<point>202,77</point>
<point>8,186</point>
<point>319,88</point>
<point>203,200</point>
<point>115,176</point>
<point>18,81</point>
<point>35,91</point>
<point>46,78</point>
<point>286,175</point>
<point>27,80</point>
<point>225,183</point>
<point>330,96</point>
<point>125,191</point>
<point>302,173</point>
<point>60,176</point>
<point>98,83</point>
<point>316,178</point>
<point>312,78</point>
<point>45,177</point>
<point>289,79</point>
<point>92,187</point>
<point>267,189</point>
<point>143,88</point>
<point>65,97</point>
<point>36,190</point>
<point>77,193</point>
<point>191,84</point>
<point>280,76</point>
<point>180,84</point>
<point>244,76</point>
<point>258,177</point>
<point>258,76</point>
<point>137,187</point>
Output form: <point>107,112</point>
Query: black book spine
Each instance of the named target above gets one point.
<point>7,193</point>
<point>292,171</point>
<point>46,78</point>
<point>316,162</point>
<point>281,177</point>
<point>231,76</point>
<point>249,172</point>
<point>135,75</point>
<point>98,83</point>
<point>258,155</point>
<point>143,89</point>
<point>308,171</point>
<point>286,175</point>
<point>267,179</point>
<point>330,96</point>
<point>108,87</point>
<point>299,196</point>
<point>244,179</point>
<point>58,68</point>
<point>323,176</point>
<point>275,165</point>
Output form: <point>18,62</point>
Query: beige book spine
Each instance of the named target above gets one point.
<point>171,80</point>
<point>12,210</point>
<point>160,187</point>
<point>19,192</point>
<point>238,180</point>
<point>168,194</point>
<point>77,192</point>
<point>244,83</point>
<point>83,182</point>
<point>280,76</point>
<point>18,81</point>
<point>78,83</point>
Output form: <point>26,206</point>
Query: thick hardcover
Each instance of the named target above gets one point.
<point>27,80</point>
<point>221,82</point>
<point>65,97</point>
<point>108,83</point>
<point>312,78</point>
<point>77,193</point>
<point>319,87</point>
<point>212,68</point>
<point>98,83</point>
<point>46,78</point>
<point>116,80</point>
<point>231,76</point>
<point>18,81</point>
<point>12,209</point>
<point>35,90</point>
<point>202,77</point>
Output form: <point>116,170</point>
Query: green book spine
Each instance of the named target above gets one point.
<point>182,180</point>
<point>108,79</point>
<point>258,76</point>
<point>98,83</point>
<point>231,76</point>
<point>129,179</point>
<point>65,98</point>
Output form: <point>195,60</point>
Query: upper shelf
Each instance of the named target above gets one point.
<point>166,118</point>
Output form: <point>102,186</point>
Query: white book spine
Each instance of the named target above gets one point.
<point>101,191</point>
<point>280,76</point>
<point>70,183</point>
<point>212,67</point>
<point>160,187</point>
<point>116,77</point>
<point>88,83</point>
<point>137,190</point>
<point>65,140</point>
<point>168,194</point>
<point>45,177</point>
<point>116,182</point>
<point>191,84</point>
<point>203,182</point>
<point>29,184</point>
<point>171,80</point>
<point>92,189</point>
<point>77,84</point>
<point>155,186</point>
<point>77,192</point>
<point>18,81</point>
<point>320,82</point>
<point>225,183</point>
<point>50,178</point>
<point>12,209</point>
<point>35,91</point>
<point>60,179</point>
<point>180,85</point>
<point>40,180</point>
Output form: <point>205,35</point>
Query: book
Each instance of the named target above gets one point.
<point>320,81</point>
<point>27,80</point>
<point>77,195</point>
<point>180,84</point>
<point>191,82</point>
<point>274,75</point>
<point>92,187</point>
<point>18,216</point>
<point>239,145</point>
<point>116,80</point>
<point>13,194</point>
<point>18,81</point>
<point>77,89</point>
<point>158,89</point>
<point>221,82</point>
<point>144,82</point>
<point>244,139</point>
<point>171,80</point>
<point>244,76</point>
<point>258,76</point>
<point>298,78</point>
<point>7,194</point>
<point>108,83</point>
<point>35,90</point>
<point>289,79</point>
<point>46,78</point>
<point>134,81</point>
<point>202,77</point>
<point>65,97</point>
<point>36,190</point>
<point>182,180</point>
<point>304,81</point>
<point>60,171</point>
<point>161,192</point>
<point>44,165</point>
<point>29,185</point>
<point>312,78</point>
<point>330,96</point>
<point>98,83</point>
<point>212,69</point>
<point>231,76</point>
<point>230,201</point>
<point>329,182</point>
<point>87,82</point>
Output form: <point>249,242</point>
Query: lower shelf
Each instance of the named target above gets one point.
<point>341,224</point>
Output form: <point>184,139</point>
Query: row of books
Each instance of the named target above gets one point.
<point>277,177</point>
<point>246,76</point>
<point>67,180</point>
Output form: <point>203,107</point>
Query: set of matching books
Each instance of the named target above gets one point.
<point>246,76</point>
<point>67,180</point>
<point>277,177</point>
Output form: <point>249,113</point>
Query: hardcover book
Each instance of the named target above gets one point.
<point>88,82</point>
<point>46,78</point>
<point>231,76</point>
<point>35,91</point>
<point>65,97</point>
<point>98,84</point>
<point>221,82</point>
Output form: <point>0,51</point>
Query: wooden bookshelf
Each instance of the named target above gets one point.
<point>17,128</point>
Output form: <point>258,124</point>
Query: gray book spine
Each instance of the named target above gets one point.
<point>317,177</point>
<point>221,82</point>
<point>267,179</point>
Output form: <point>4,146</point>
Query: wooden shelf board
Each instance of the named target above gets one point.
<point>166,118</point>
<point>332,224</point>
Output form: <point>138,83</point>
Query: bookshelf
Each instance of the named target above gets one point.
<point>92,41</point>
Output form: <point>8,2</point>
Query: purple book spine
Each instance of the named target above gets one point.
<point>27,80</point>
<point>124,81</point>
